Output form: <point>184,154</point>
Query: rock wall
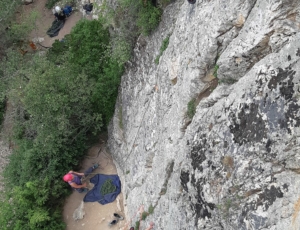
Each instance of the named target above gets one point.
<point>235,164</point>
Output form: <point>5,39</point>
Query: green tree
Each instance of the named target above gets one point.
<point>28,207</point>
<point>89,47</point>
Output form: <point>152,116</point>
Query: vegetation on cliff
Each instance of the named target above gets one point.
<point>60,98</point>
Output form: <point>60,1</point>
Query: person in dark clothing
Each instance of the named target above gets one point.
<point>88,7</point>
<point>192,1</point>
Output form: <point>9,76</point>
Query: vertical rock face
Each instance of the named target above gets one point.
<point>235,164</point>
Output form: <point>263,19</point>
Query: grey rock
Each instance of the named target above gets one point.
<point>235,164</point>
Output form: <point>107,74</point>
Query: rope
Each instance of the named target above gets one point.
<point>138,129</point>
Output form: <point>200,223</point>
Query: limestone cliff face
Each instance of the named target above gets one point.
<point>235,164</point>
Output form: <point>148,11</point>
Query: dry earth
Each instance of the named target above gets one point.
<point>96,216</point>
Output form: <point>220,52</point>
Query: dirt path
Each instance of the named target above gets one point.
<point>96,216</point>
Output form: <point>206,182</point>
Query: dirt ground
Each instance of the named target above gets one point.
<point>96,216</point>
<point>44,22</point>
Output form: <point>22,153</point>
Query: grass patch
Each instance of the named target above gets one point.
<point>215,73</point>
<point>163,47</point>
<point>144,215</point>
<point>191,108</point>
<point>228,81</point>
<point>2,110</point>
<point>151,209</point>
<point>137,225</point>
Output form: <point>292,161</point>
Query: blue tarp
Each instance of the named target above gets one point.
<point>95,194</point>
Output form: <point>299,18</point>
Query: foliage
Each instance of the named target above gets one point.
<point>191,108</point>
<point>7,12</point>
<point>144,215</point>
<point>228,81</point>
<point>151,209</point>
<point>88,51</point>
<point>137,225</point>
<point>2,109</point>
<point>26,207</point>
<point>164,3</point>
<point>164,44</point>
<point>89,47</point>
<point>51,3</point>
<point>148,17</point>
<point>57,52</point>
<point>19,31</point>
<point>163,47</point>
<point>121,49</point>
<point>215,73</point>
<point>106,89</point>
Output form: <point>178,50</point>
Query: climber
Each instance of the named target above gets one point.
<point>191,1</point>
<point>88,8</point>
<point>150,226</point>
<point>75,179</point>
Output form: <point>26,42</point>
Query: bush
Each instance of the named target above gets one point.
<point>89,47</point>
<point>2,109</point>
<point>7,12</point>
<point>51,3</point>
<point>215,73</point>
<point>90,53</point>
<point>19,31</point>
<point>148,18</point>
<point>163,47</point>
<point>191,108</point>
<point>29,207</point>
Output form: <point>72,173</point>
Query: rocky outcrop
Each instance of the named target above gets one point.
<point>235,163</point>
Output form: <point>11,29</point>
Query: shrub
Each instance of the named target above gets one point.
<point>7,12</point>
<point>148,17</point>
<point>137,225</point>
<point>228,81</point>
<point>191,108</point>
<point>2,109</point>
<point>215,73</point>
<point>163,47</point>
<point>19,31</point>
<point>144,215</point>
<point>51,3</point>
<point>151,209</point>
<point>27,209</point>
<point>89,47</point>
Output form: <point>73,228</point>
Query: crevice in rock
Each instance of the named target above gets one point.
<point>169,171</point>
<point>208,89</point>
